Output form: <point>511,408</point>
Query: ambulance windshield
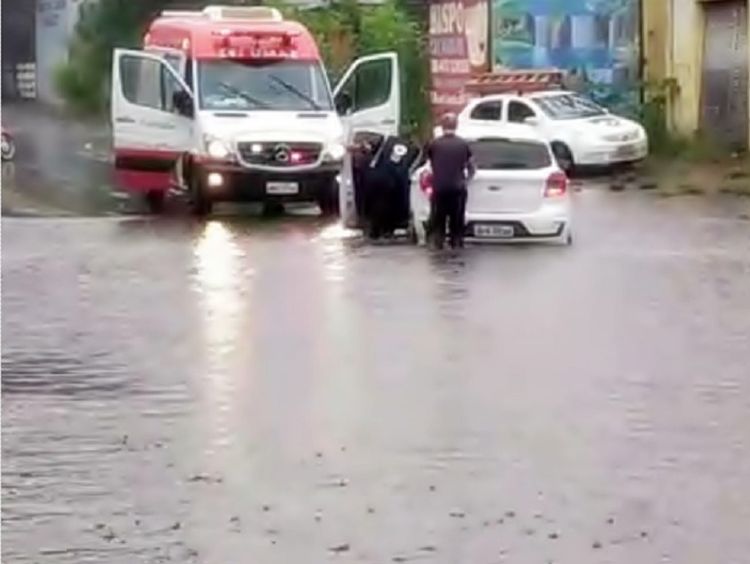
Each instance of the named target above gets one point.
<point>252,84</point>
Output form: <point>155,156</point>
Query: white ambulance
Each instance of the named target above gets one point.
<point>234,104</point>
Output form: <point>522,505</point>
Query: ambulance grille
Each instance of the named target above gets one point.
<point>281,155</point>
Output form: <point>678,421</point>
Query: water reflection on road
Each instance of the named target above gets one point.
<point>239,390</point>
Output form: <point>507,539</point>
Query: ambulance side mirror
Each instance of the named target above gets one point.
<point>183,103</point>
<point>344,103</point>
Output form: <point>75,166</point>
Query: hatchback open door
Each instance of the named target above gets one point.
<point>368,99</point>
<point>152,121</point>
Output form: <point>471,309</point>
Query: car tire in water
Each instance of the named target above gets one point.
<point>328,200</point>
<point>8,148</point>
<point>564,157</point>
<point>411,233</point>
<point>566,239</point>
<point>200,202</point>
<point>155,201</point>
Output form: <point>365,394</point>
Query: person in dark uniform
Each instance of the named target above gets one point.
<point>452,166</point>
<point>387,184</point>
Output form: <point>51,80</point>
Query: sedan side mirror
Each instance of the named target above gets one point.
<point>531,120</point>
<point>183,103</point>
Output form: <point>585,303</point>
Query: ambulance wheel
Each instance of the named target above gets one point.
<point>200,203</point>
<point>411,233</point>
<point>272,209</point>
<point>155,200</point>
<point>328,200</point>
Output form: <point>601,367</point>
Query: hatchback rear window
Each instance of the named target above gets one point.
<point>493,154</point>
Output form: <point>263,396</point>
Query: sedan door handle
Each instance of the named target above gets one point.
<point>123,119</point>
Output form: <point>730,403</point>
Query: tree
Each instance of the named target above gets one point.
<point>83,80</point>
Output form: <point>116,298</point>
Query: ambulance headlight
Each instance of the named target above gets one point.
<point>336,151</point>
<point>217,149</point>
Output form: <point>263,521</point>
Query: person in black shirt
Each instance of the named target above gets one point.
<point>452,166</point>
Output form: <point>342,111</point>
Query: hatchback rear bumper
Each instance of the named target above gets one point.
<point>552,221</point>
<point>549,221</point>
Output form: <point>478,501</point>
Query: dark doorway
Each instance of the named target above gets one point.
<point>18,47</point>
<point>724,96</point>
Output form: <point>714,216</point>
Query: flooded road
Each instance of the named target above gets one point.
<point>275,391</point>
<point>239,390</point>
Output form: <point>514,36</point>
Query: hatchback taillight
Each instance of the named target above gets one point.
<point>557,185</point>
<point>425,182</point>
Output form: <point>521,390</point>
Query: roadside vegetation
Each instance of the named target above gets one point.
<point>348,30</point>
<point>344,31</point>
<point>687,166</point>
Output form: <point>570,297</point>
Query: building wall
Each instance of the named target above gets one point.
<point>655,39</point>
<point>18,50</point>
<point>686,62</point>
<point>673,48</point>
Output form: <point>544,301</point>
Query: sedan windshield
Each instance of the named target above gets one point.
<point>499,154</point>
<point>252,84</point>
<point>569,106</point>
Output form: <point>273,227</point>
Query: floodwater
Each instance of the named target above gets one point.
<point>241,390</point>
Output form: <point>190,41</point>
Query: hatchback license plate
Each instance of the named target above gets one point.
<point>281,188</point>
<point>494,231</point>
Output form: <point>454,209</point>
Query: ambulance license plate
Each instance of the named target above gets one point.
<point>282,188</point>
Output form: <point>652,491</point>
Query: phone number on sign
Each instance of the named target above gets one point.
<point>450,66</point>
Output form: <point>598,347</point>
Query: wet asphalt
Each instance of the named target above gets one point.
<point>248,390</point>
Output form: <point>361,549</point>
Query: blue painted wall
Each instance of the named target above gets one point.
<point>599,38</point>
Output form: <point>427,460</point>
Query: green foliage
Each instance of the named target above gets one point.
<point>657,96</point>
<point>83,81</point>
<point>373,29</point>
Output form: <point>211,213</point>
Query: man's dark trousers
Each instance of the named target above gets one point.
<point>449,205</point>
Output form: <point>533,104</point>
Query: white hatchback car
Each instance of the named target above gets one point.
<point>581,132</point>
<point>519,193</point>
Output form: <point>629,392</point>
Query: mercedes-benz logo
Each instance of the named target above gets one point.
<point>281,154</point>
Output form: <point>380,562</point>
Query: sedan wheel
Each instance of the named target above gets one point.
<point>8,148</point>
<point>564,157</point>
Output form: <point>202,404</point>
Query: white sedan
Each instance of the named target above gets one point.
<point>519,193</point>
<point>581,132</point>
